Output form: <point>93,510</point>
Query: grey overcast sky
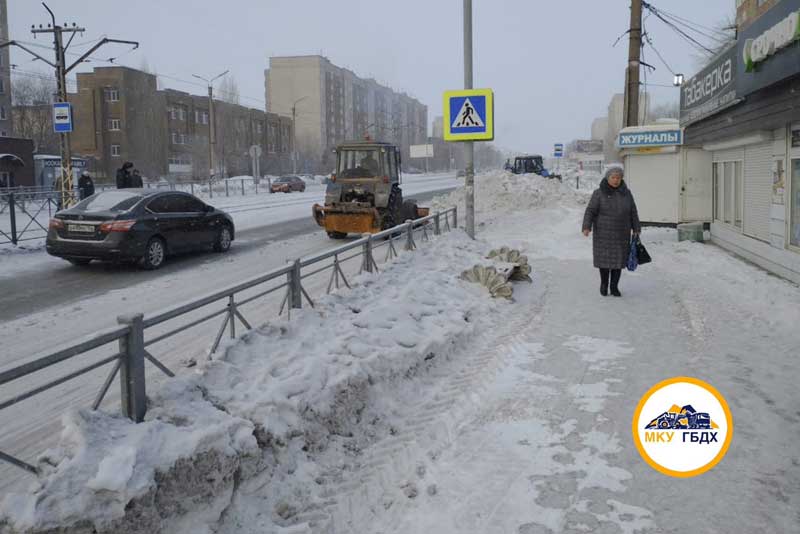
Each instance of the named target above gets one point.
<point>551,63</point>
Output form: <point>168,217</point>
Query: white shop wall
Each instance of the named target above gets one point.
<point>653,180</point>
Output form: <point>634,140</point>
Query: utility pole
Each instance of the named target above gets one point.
<point>469,148</point>
<point>631,112</point>
<point>62,70</point>
<point>212,130</point>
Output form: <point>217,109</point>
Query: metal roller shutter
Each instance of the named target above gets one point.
<point>734,154</point>
<point>757,190</point>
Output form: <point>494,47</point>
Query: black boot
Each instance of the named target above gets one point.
<point>615,274</point>
<point>604,282</point>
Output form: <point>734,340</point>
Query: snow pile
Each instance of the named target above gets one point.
<point>502,193</point>
<point>105,465</point>
<point>287,381</point>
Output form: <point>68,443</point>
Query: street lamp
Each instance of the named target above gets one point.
<point>212,140</point>
<point>294,133</point>
<point>677,80</point>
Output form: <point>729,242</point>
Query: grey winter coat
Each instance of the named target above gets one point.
<point>611,215</point>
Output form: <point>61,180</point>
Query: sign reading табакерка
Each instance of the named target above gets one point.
<point>654,138</point>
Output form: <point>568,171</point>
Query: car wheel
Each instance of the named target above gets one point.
<point>154,254</point>
<point>223,242</point>
<point>337,235</point>
<point>80,262</point>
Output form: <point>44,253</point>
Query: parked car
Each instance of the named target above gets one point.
<point>139,225</point>
<point>287,184</point>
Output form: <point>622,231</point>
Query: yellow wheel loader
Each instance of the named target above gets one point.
<point>363,194</point>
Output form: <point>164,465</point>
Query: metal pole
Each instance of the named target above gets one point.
<point>131,371</point>
<point>211,136</point>
<point>469,148</point>
<point>12,213</point>
<point>296,290</point>
<point>632,72</point>
<point>66,149</point>
<point>294,139</point>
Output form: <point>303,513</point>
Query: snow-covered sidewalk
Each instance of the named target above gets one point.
<point>416,404</point>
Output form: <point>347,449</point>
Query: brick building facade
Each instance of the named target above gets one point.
<point>121,115</point>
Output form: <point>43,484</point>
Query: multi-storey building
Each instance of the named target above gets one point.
<point>6,128</point>
<point>121,115</point>
<point>332,104</point>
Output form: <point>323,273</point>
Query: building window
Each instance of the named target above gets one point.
<point>182,113</point>
<point>728,186</point>
<point>111,94</point>
<point>794,221</point>
<point>205,117</point>
<point>174,138</point>
<point>3,115</point>
<point>116,151</point>
<point>114,125</point>
<point>196,117</point>
<point>2,86</point>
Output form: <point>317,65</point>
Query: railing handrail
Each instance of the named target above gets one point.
<point>132,350</point>
<point>181,309</point>
<point>92,341</point>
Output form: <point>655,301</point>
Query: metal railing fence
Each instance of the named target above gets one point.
<point>131,348</point>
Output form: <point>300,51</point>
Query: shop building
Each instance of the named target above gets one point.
<point>744,110</point>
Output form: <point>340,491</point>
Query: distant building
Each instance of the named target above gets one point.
<point>6,124</point>
<point>333,104</point>
<point>615,123</point>
<point>438,127</point>
<point>16,162</point>
<point>599,128</point>
<point>121,115</point>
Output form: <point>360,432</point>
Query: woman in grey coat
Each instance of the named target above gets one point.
<point>612,215</point>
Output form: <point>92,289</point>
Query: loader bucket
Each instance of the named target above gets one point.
<point>347,220</point>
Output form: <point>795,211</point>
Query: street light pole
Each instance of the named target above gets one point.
<point>294,133</point>
<point>469,149</point>
<point>212,133</point>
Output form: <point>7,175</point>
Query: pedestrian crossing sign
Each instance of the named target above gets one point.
<point>468,115</point>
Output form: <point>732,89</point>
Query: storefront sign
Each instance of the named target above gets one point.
<point>771,41</point>
<point>654,138</point>
<point>768,50</point>
<point>711,90</point>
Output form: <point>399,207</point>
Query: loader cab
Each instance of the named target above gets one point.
<point>368,161</point>
<point>528,165</point>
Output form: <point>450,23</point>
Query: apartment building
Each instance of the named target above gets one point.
<point>332,104</point>
<point>121,115</point>
<point>6,125</point>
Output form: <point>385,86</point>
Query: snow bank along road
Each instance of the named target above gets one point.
<point>45,302</point>
<point>430,408</point>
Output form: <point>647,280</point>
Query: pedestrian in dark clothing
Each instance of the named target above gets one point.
<point>613,217</point>
<point>136,179</point>
<point>85,185</point>
<point>124,175</point>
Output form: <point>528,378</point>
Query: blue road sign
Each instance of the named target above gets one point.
<point>468,115</point>
<point>62,117</point>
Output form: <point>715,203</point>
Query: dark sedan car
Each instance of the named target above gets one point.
<point>137,225</point>
<point>287,184</point>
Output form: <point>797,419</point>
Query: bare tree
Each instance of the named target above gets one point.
<point>228,90</point>
<point>32,113</point>
<point>723,37</point>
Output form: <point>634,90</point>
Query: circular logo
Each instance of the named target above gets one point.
<point>682,427</point>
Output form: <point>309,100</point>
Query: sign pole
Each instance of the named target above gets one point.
<point>469,148</point>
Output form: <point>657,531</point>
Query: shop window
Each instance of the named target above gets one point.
<point>728,186</point>
<point>794,222</point>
